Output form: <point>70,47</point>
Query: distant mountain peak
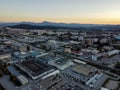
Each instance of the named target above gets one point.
<point>62,25</point>
<point>45,22</point>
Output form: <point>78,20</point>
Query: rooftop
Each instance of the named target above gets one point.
<point>13,71</point>
<point>33,68</point>
<point>54,83</point>
<point>82,69</point>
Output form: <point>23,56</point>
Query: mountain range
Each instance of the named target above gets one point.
<point>51,25</point>
<point>46,23</point>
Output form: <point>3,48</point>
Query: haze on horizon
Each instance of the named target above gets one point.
<point>67,11</point>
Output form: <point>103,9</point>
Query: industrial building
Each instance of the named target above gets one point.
<point>60,63</point>
<point>35,69</point>
<point>55,83</point>
<point>108,54</point>
<point>84,76</point>
<point>23,80</point>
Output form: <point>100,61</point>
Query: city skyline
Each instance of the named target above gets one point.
<point>72,11</point>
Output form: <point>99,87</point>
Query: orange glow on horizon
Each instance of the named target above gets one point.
<point>76,11</point>
<point>63,20</point>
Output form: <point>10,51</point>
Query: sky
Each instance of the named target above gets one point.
<point>66,11</point>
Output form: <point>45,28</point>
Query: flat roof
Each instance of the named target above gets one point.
<point>33,68</point>
<point>111,85</point>
<point>82,69</point>
<point>13,71</point>
<point>54,83</point>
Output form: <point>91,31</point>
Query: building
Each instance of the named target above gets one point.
<point>20,47</point>
<point>68,50</point>
<point>5,56</point>
<point>35,69</point>
<point>113,52</point>
<point>60,63</point>
<point>23,80</point>
<point>46,58</point>
<point>111,85</point>
<point>98,56</point>
<point>54,83</point>
<point>84,76</point>
<point>104,40</point>
<point>21,55</point>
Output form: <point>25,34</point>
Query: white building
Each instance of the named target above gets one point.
<point>97,56</point>
<point>113,52</point>
<point>5,56</point>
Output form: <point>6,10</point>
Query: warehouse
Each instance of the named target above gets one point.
<point>15,73</point>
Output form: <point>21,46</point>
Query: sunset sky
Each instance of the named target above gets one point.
<point>67,11</point>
